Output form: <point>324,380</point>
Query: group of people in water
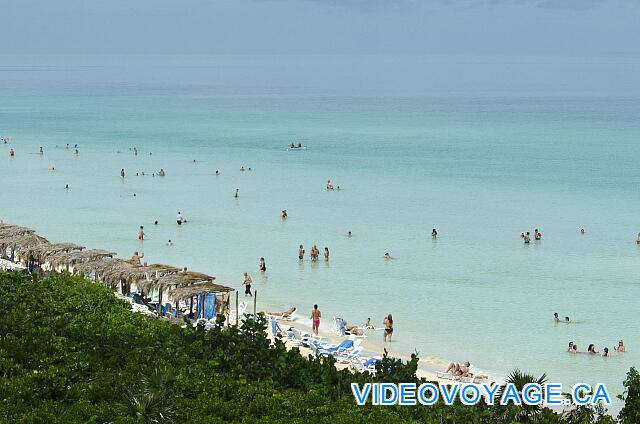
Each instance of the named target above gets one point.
<point>160,173</point>
<point>314,254</point>
<point>591,350</point>
<point>526,236</point>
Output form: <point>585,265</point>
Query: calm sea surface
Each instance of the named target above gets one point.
<point>480,148</point>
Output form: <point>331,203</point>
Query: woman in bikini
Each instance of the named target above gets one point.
<point>388,327</point>
<point>262,265</point>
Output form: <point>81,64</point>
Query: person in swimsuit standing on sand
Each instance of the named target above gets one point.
<point>315,317</point>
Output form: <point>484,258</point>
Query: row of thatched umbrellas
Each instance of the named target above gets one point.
<point>22,244</point>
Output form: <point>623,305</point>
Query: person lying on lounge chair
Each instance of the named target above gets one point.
<point>286,314</point>
<point>352,329</point>
<point>455,368</point>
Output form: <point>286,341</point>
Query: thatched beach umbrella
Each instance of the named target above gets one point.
<point>187,292</point>
<point>8,230</point>
<point>22,244</point>
<point>42,252</point>
<point>22,241</point>
<point>74,257</point>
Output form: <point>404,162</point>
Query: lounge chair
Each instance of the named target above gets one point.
<point>347,357</point>
<point>343,346</point>
<point>360,364</point>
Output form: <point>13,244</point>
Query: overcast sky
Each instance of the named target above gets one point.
<point>459,27</point>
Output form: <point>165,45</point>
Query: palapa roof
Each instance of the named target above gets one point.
<point>172,281</point>
<point>78,256</point>
<point>8,230</point>
<point>23,242</point>
<point>98,265</point>
<point>43,251</point>
<point>182,293</point>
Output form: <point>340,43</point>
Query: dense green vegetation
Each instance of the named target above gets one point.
<point>72,352</point>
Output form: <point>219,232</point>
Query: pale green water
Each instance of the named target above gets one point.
<point>480,149</point>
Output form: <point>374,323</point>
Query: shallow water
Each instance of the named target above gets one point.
<point>482,150</point>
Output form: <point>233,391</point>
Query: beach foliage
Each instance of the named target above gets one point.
<point>630,413</point>
<point>70,351</point>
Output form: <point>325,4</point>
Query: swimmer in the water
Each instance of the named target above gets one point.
<point>236,195</point>
<point>217,172</point>
<point>242,168</point>
<point>283,214</point>
<point>122,173</point>
<point>349,234</point>
<point>66,187</point>
<point>537,235</point>
<point>570,347</point>
<point>368,325</point>
<point>388,256</point>
<point>53,168</point>
<point>573,348</point>
<point>169,243</point>
<point>161,173</point>
<point>12,153</point>
<point>434,234</point>
<point>591,350</point>
<point>41,151</point>
<point>326,254</point>
<point>301,253</point>
<point>262,266</point>
<point>555,317</point>
<point>249,169</point>
<point>605,352</point>
<point>581,230</point>
<point>155,222</point>
<point>566,320</point>
<point>527,238</point>
<point>77,152</point>
<point>620,347</point>
<point>637,240</point>
<point>179,218</point>
<point>329,185</point>
<point>141,233</point>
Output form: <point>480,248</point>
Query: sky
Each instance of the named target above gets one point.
<point>411,27</point>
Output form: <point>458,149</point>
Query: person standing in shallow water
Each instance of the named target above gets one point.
<point>388,328</point>
<point>122,173</point>
<point>262,265</point>
<point>247,284</point>
<point>326,254</point>
<point>315,319</point>
<point>301,252</point>
<point>141,233</point>
<point>434,234</point>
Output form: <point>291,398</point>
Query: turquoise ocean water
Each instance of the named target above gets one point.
<point>480,148</point>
